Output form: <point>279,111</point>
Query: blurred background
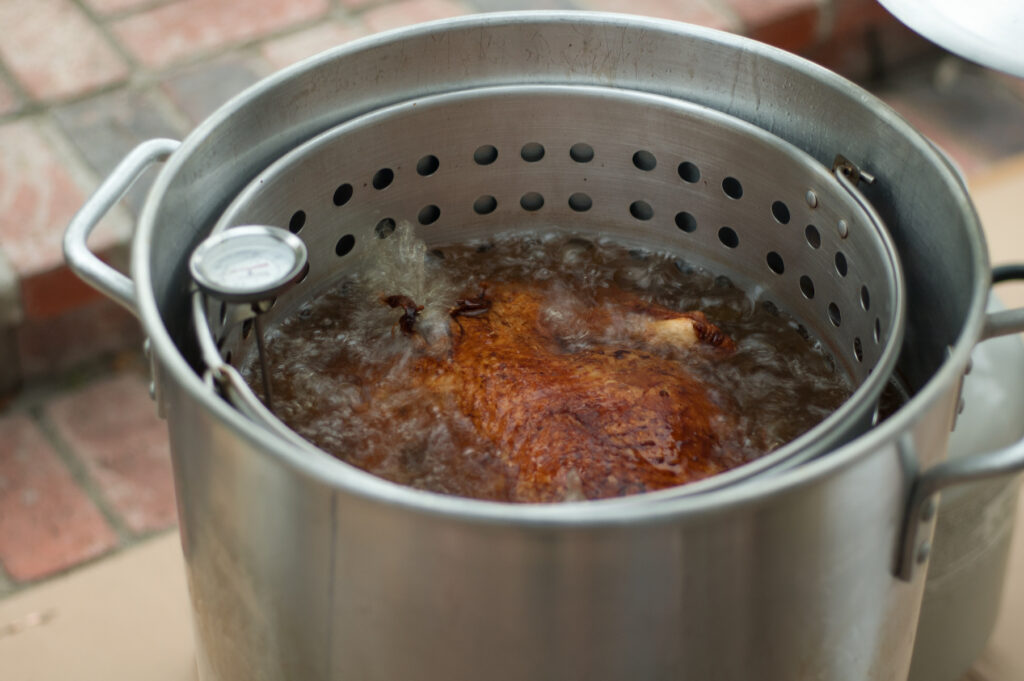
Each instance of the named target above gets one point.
<point>84,464</point>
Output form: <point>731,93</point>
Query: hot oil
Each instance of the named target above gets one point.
<point>345,372</point>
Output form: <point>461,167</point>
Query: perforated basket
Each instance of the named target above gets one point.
<point>646,170</point>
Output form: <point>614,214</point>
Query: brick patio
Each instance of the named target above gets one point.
<point>84,468</point>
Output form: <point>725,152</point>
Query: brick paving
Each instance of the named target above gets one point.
<point>55,51</point>
<point>84,467</point>
<point>406,12</point>
<point>199,90</point>
<point>37,194</point>
<point>295,47</point>
<point>180,30</point>
<point>113,428</point>
<point>104,128</point>
<point>42,507</point>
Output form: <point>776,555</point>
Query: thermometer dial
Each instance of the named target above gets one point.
<point>248,264</point>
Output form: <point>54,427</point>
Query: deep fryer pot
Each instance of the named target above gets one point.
<point>302,567</point>
<point>677,178</point>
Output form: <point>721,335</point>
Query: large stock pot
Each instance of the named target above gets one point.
<point>301,567</point>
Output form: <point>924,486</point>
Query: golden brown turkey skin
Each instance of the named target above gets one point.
<point>605,421</point>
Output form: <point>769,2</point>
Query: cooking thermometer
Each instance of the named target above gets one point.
<point>251,264</point>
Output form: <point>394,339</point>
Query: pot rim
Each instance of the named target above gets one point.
<point>315,463</point>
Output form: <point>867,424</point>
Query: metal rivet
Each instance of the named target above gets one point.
<point>812,199</point>
<point>152,390</point>
<point>923,552</point>
<point>147,349</point>
<point>928,510</point>
<point>844,229</point>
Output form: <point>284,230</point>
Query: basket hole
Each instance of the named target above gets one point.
<point>297,222</point>
<point>427,165</point>
<point>580,202</point>
<point>344,245</point>
<point>878,330</point>
<point>384,228</point>
<point>807,287</point>
<point>834,315</point>
<point>732,187</point>
<point>429,215</point>
<point>858,350</point>
<point>532,152</point>
<point>644,160</point>
<point>781,212</point>
<point>813,236</point>
<point>227,357</point>
<point>342,194</point>
<point>728,237</point>
<point>247,328</point>
<point>485,204</point>
<point>865,298</point>
<point>841,264</point>
<point>485,155</point>
<point>581,152</point>
<point>775,263</point>
<point>383,178</point>
<point>686,222</point>
<point>531,201</point>
<point>223,313</point>
<point>641,210</point>
<point>689,172</point>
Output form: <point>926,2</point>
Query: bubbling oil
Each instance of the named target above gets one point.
<point>342,365</point>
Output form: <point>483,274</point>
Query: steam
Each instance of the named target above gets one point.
<point>401,265</point>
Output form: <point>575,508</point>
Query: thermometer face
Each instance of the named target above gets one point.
<point>248,264</point>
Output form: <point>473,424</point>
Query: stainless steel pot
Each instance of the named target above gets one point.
<point>301,567</point>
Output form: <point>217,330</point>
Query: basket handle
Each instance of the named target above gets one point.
<point>922,505</point>
<point>83,261</point>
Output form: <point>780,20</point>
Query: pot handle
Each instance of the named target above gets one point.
<point>84,262</point>
<point>1004,322</point>
<point>922,505</point>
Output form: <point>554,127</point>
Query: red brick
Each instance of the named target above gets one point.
<point>37,199</point>
<point>411,12</point>
<point>113,427</point>
<point>856,16</point>
<point>698,12</point>
<point>79,335</point>
<point>54,51</point>
<point>298,46</point>
<point>183,29</point>
<point>865,57</point>
<point>789,24</point>
<point>54,292</point>
<point>47,523</point>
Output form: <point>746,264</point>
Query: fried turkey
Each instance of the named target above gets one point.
<point>616,415</point>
